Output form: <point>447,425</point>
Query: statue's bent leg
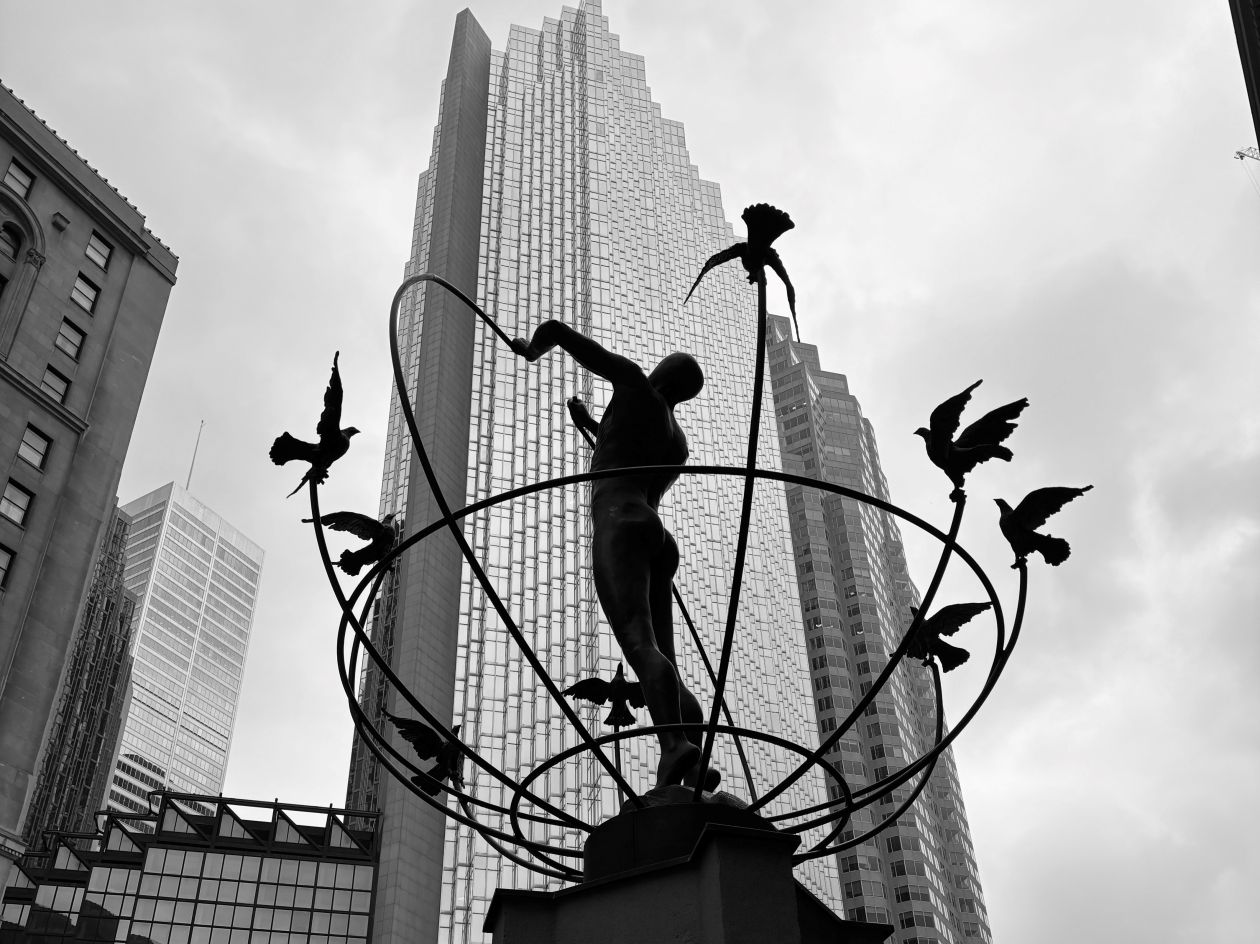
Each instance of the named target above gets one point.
<point>661,594</point>
<point>626,543</point>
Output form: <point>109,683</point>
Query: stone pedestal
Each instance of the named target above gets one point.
<point>697,873</point>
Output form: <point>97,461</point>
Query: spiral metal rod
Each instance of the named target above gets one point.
<point>348,673</point>
<point>822,849</point>
<point>563,872</point>
<point>698,470</point>
<point>704,657</point>
<point>934,754</point>
<point>365,728</point>
<point>1001,653</point>
<point>741,546</point>
<point>838,812</point>
<point>733,730</point>
<point>893,661</point>
<point>361,722</point>
<point>404,400</point>
<point>726,711</point>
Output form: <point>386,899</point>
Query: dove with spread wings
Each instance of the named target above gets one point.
<point>1020,524</point>
<point>333,440</point>
<point>429,744</point>
<point>978,443</point>
<point>380,536</point>
<point>946,621</point>
<point>621,693</point>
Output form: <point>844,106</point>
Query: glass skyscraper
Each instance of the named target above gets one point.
<point>196,578</point>
<point>78,756</point>
<point>556,188</point>
<point>919,874</point>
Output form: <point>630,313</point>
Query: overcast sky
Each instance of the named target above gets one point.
<point>1042,195</point>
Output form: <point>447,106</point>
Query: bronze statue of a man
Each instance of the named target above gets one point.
<point>634,556</point>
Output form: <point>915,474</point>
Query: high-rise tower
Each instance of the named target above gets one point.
<point>75,768</point>
<point>919,874</point>
<point>557,189</point>
<point>196,578</point>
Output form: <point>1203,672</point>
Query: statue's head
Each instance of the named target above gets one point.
<point>677,377</point>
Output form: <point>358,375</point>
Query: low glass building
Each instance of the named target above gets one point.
<point>247,873</point>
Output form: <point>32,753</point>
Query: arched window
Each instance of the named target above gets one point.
<point>10,240</point>
<point>10,243</point>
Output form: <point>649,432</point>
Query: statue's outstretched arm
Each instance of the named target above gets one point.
<point>590,354</point>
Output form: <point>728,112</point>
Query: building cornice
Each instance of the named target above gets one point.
<point>55,159</point>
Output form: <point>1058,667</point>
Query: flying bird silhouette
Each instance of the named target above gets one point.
<point>333,441</point>
<point>428,743</point>
<point>946,621</point>
<point>380,536</point>
<point>621,693</point>
<point>978,443</point>
<point>765,224</point>
<point>1020,523</point>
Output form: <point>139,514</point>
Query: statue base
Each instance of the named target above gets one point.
<point>705,873</point>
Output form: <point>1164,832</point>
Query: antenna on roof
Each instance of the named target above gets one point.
<point>194,457</point>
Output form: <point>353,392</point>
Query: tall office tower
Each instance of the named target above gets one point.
<point>1246,14</point>
<point>79,752</point>
<point>196,579</point>
<point>557,189</point>
<point>919,875</point>
<point>83,289</point>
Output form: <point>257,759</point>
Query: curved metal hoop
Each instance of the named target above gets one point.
<point>838,811</point>
<point>835,813</point>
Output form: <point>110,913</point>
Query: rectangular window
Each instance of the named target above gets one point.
<point>98,250</point>
<point>16,502</point>
<point>6,562</point>
<point>34,447</point>
<point>18,179</point>
<point>70,339</point>
<point>84,294</point>
<point>55,384</point>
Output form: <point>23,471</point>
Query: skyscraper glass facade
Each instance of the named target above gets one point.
<point>75,768</point>
<point>920,874</point>
<point>591,212</point>
<point>196,578</point>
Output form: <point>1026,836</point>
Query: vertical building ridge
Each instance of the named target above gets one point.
<point>436,346</point>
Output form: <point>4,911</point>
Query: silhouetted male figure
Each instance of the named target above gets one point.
<point>634,556</point>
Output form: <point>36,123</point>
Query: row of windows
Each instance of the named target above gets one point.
<point>84,292</point>
<point>34,447</point>
<point>20,180</point>
<point>15,503</point>
<point>55,383</point>
<point>10,241</point>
